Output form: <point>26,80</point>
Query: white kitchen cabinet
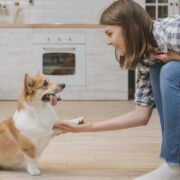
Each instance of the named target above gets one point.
<point>104,80</point>
<point>16,60</point>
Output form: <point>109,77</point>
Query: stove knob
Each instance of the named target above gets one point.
<point>70,39</point>
<point>48,39</point>
<point>59,39</point>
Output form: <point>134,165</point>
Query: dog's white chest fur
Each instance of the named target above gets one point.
<point>36,122</point>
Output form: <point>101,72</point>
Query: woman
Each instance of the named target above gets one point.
<point>154,49</point>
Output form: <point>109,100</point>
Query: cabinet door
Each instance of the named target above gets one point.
<point>105,79</point>
<point>16,60</point>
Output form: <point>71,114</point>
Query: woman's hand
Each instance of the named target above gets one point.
<point>64,127</point>
<point>170,55</point>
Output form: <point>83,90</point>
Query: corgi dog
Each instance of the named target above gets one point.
<point>24,136</point>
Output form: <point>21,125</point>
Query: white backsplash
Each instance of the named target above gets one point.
<point>53,11</point>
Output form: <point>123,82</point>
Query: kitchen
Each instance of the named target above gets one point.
<point>97,88</point>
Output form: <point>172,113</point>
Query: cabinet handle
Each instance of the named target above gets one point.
<point>171,4</point>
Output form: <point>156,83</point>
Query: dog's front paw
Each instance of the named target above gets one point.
<point>33,170</point>
<point>79,120</point>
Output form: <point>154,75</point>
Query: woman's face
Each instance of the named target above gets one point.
<point>115,38</point>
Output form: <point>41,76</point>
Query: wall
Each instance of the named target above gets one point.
<point>53,11</point>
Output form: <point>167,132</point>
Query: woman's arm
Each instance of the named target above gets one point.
<point>139,117</point>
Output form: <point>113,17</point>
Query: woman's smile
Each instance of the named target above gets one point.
<point>115,38</point>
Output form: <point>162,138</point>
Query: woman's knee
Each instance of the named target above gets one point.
<point>171,71</point>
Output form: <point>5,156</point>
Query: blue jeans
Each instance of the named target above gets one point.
<point>165,80</point>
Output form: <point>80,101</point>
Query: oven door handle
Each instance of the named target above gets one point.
<point>59,49</point>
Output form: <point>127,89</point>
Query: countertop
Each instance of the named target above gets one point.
<point>87,26</point>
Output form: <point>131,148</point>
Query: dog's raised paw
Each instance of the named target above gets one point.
<point>79,120</point>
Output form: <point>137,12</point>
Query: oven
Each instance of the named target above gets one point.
<point>60,56</point>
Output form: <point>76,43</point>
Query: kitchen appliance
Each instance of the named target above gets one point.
<point>60,55</point>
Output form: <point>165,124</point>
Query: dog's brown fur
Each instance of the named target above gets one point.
<point>12,143</point>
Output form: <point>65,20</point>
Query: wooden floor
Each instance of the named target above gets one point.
<point>118,155</point>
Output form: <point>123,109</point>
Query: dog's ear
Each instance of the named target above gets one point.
<point>28,84</point>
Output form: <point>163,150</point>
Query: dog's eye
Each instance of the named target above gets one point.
<point>45,83</point>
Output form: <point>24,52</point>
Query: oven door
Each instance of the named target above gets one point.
<point>61,63</point>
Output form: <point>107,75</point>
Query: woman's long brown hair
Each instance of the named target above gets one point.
<point>137,29</point>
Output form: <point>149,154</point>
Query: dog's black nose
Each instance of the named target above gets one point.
<point>62,85</point>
